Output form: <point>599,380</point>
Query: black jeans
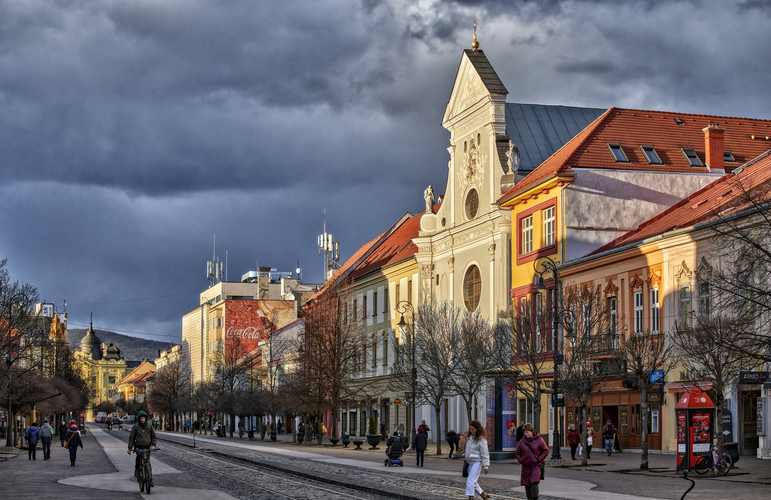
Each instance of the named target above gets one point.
<point>573,448</point>
<point>420,456</point>
<point>46,449</point>
<point>32,448</point>
<point>453,446</point>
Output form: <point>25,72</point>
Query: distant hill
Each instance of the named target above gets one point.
<point>131,348</point>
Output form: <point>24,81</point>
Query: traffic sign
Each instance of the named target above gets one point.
<point>397,402</point>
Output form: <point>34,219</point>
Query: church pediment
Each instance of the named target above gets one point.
<point>476,79</point>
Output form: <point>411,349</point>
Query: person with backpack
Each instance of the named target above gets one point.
<point>32,435</point>
<point>46,435</point>
<point>608,433</point>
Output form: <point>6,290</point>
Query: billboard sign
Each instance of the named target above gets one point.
<point>249,321</point>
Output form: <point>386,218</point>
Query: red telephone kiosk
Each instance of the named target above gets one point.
<point>695,427</point>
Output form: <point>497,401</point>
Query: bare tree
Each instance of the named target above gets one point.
<point>436,332</point>
<point>170,387</point>
<point>473,357</point>
<point>644,360</point>
<point>706,360</point>
<point>584,369</point>
<point>331,348</point>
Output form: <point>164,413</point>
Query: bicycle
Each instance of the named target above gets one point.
<point>714,460</point>
<point>145,476</point>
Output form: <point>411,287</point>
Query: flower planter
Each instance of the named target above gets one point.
<point>358,443</point>
<point>334,441</point>
<point>373,440</point>
<point>301,438</point>
<point>346,440</point>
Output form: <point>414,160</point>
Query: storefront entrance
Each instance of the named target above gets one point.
<point>748,424</point>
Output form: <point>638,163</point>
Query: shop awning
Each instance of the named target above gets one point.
<point>684,386</point>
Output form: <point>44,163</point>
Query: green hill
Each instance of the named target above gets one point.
<point>131,348</point>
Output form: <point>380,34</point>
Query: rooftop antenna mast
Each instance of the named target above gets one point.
<point>330,249</point>
<point>214,271</point>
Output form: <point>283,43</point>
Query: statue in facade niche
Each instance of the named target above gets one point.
<point>513,155</point>
<point>428,195</point>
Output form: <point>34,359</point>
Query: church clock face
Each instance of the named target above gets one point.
<point>472,204</point>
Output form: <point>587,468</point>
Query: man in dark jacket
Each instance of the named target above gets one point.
<point>143,437</point>
<point>608,433</point>
<point>419,444</point>
<point>394,445</point>
<point>453,440</point>
<point>63,432</point>
<point>32,434</point>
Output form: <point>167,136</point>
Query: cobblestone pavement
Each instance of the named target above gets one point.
<point>617,477</point>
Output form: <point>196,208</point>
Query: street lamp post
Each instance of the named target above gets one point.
<point>559,318</point>
<point>402,308</point>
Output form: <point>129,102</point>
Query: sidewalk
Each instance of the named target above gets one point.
<point>102,466</point>
<point>616,477</point>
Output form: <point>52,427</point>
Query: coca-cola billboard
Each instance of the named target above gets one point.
<point>249,321</point>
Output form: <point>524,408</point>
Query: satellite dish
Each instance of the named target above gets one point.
<point>298,271</point>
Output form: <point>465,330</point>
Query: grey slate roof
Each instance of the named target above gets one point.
<point>540,130</point>
<point>486,72</point>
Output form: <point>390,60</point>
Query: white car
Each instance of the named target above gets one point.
<point>129,419</point>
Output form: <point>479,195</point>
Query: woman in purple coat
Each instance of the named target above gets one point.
<point>531,452</point>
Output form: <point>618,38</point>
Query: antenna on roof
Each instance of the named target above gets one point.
<point>330,249</point>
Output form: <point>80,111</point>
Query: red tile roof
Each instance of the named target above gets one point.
<point>722,197</point>
<point>633,128</point>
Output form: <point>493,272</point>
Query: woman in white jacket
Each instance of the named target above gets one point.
<point>478,457</point>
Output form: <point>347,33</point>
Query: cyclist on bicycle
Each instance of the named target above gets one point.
<point>143,437</point>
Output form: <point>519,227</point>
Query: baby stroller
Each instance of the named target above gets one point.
<point>394,452</point>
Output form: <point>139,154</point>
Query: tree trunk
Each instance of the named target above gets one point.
<point>438,411</point>
<point>468,411</point>
<point>583,435</point>
<point>644,441</point>
<point>719,420</point>
<point>537,413</point>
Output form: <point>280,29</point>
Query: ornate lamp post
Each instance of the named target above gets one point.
<point>559,318</point>
<point>402,308</point>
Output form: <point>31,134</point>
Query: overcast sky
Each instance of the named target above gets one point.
<point>133,132</point>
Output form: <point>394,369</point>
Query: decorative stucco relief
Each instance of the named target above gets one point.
<point>473,90</point>
<point>472,172</point>
<point>653,280</point>
<point>451,264</point>
<point>427,271</point>
<point>636,282</point>
<point>611,289</point>
<point>491,251</point>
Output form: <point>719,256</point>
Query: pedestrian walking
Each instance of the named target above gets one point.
<point>531,454</point>
<point>425,426</point>
<point>478,457</point>
<point>419,444</point>
<point>63,432</point>
<point>573,440</point>
<point>32,435</point>
<point>73,441</point>
<point>589,439</point>
<point>608,433</point>
<point>400,430</point>
<point>46,435</point>
<point>453,440</point>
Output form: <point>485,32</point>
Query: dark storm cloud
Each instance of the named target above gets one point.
<point>132,133</point>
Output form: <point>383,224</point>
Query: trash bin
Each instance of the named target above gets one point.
<point>732,449</point>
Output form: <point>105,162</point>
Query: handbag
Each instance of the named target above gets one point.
<point>589,441</point>
<point>465,469</point>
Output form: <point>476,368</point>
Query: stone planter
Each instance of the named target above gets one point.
<point>346,440</point>
<point>373,440</point>
<point>334,441</point>
<point>358,443</point>
<point>272,435</point>
<point>301,438</point>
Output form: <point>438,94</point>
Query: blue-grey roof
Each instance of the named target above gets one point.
<point>539,130</point>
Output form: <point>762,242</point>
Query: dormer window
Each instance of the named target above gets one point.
<point>618,153</point>
<point>727,156</point>
<point>651,155</point>
<point>692,157</point>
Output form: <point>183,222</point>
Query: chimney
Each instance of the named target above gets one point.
<point>713,140</point>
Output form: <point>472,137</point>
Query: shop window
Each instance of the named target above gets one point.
<point>655,418</point>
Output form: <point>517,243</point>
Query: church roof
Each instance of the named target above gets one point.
<point>539,130</point>
<point>485,70</point>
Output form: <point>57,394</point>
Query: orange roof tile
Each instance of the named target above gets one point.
<point>722,197</point>
<point>632,128</point>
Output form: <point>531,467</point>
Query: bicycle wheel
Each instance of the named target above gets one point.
<point>148,477</point>
<point>141,478</point>
<point>703,464</point>
<point>728,462</point>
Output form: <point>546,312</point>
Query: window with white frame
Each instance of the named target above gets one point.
<point>655,311</point>
<point>612,318</point>
<point>705,299</point>
<point>538,318</point>
<point>638,313</point>
<point>549,226</point>
<point>527,235</point>
<point>685,306</point>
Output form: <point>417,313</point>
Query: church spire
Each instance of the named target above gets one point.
<point>475,44</point>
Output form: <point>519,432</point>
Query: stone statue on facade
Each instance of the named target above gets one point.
<point>428,195</point>
<point>513,155</point>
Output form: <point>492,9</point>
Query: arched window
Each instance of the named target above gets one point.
<point>472,288</point>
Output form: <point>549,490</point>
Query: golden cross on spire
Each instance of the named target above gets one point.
<point>475,44</point>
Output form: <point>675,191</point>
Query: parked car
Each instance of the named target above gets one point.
<point>116,420</point>
<point>129,419</point>
<point>100,417</point>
